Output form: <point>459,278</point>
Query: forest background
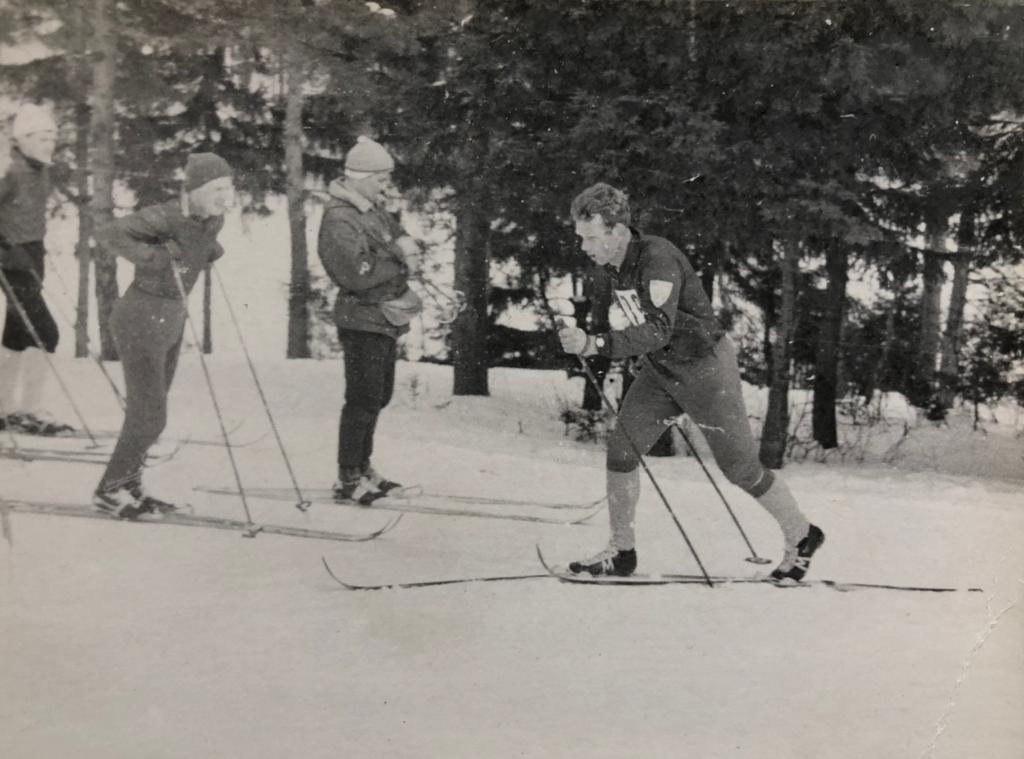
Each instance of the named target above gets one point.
<point>845,177</point>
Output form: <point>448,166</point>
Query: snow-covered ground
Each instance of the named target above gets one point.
<point>128,640</point>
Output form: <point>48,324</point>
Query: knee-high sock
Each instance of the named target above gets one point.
<point>11,366</point>
<point>34,381</point>
<point>780,503</point>
<point>623,493</point>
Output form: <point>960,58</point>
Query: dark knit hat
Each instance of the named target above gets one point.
<point>204,167</point>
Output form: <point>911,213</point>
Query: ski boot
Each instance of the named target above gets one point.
<point>611,561</point>
<point>360,490</point>
<point>121,502</point>
<point>39,424</point>
<point>385,486</point>
<point>151,504</point>
<point>805,549</point>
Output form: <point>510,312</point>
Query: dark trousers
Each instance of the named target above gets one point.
<point>369,360</point>
<point>147,331</point>
<point>26,289</point>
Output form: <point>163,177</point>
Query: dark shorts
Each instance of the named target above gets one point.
<point>28,322</point>
<point>709,390</point>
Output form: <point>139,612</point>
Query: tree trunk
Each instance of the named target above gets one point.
<point>83,251</point>
<point>472,278</point>
<point>709,266</point>
<point>952,339</point>
<point>207,310</point>
<point>923,383</point>
<point>295,177</point>
<point>826,365</point>
<point>883,371</point>
<point>101,138</point>
<point>775,434</point>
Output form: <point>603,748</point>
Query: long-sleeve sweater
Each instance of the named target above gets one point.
<point>658,307</point>
<point>151,236</point>
<point>24,190</point>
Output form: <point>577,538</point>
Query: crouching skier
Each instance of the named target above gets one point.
<point>660,311</point>
<point>174,239</point>
<point>367,255</point>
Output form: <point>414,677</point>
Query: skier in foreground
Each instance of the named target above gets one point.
<point>367,255</point>
<point>24,190</point>
<point>148,321</point>
<point>660,311</point>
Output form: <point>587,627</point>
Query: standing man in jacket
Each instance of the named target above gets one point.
<point>24,190</point>
<point>659,311</point>
<point>368,256</point>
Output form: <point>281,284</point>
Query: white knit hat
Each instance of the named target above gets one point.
<point>30,119</point>
<point>367,157</point>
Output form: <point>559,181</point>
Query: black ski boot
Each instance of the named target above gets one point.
<point>611,561</point>
<point>805,549</point>
<point>34,424</point>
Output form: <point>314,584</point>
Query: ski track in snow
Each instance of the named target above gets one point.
<point>133,640</point>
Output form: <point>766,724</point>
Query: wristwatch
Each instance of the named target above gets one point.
<point>599,341</point>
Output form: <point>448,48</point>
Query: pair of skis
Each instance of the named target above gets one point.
<point>414,500</point>
<point>184,518</point>
<point>250,529</point>
<point>97,456</point>
<point>100,456</point>
<point>642,580</point>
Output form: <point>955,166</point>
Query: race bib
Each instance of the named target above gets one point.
<point>629,302</point>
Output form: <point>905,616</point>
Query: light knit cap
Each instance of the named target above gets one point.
<point>367,157</point>
<point>30,119</point>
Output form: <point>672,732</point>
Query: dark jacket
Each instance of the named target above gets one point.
<point>680,328</point>
<point>358,251</point>
<point>24,190</point>
<point>149,237</point>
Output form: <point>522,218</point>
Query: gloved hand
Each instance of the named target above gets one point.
<point>411,253</point>
<point>573,339</point>
<point>408,246</point>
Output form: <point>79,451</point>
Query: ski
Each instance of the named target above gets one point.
<point>684,579</point>
<point>79,456</point>
<point>411,491</point>
<point>187,440</point>
<point>248,529</point>
<point>408,506</point>
<point>428,583</point>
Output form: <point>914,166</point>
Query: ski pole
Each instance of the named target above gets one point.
<point>303,503</point>
<point>176,270</point>
<point>753,558</point>
<point>20,308</point>
<point>91,354</point>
